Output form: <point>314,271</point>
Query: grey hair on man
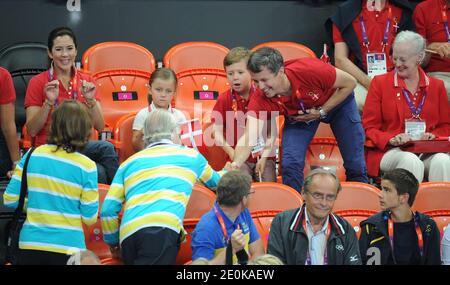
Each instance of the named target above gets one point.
<point>159,125</point>
<point>416,42</point>
<point>265,57</point>
<point>321,172</point>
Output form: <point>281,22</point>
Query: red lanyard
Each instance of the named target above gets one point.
<point>327,233</point>
<point>234,104</point>
<point>74,88</point>
<point>365,36</point>
<point>445,22</point>
<point>418,232</point>
<point>222,223</point>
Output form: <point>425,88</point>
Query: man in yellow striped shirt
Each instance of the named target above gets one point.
<point>154,186</point>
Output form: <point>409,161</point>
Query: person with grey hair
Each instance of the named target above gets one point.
<point>312,234</point>
<point>429,18</point>
<point>154,187</point>
<point>405,105</point>
<point>228,228</point>
<point>306,91</point>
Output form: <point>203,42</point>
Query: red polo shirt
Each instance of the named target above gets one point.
<point>226,112</point>
<point>429,23</point>
<point>311,81</point>
<point>36,97</point>
<point>375,23</point>
<point>7,91</point>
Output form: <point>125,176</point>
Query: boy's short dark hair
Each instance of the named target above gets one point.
<point>404,182</point>
<point>233,186</point>
<point>236,55</point>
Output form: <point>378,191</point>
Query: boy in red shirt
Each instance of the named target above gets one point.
<point>230,112</point>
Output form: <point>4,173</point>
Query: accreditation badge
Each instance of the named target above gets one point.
<point>257,150</point>
<point>415,128</point>
<point>376,64</point>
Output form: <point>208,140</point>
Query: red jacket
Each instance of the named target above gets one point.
<point>386,109</point>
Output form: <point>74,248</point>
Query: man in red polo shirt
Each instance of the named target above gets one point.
<point>306,91</point>
<point>363,32</point>
<point>432,22</point>
<point>9,146</point>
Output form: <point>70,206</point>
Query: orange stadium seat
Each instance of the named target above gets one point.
<point>432,196</point>
<point>357,196</point>
<point>355,217</point>
<point>121,71</point>
<point>185,251</point>
<point>201,201</point>
<point>111,261</point>
<point>271,196</point>
<point>23,61</point>
<point>323,152</point>
<point>289,50</point>
<point>201,78</point>
<point>442,219</point>
<point>94,234</point>
<point>263,221</point>
<point>324,131</point>
<point>123,135</point>
<point>192,55</point>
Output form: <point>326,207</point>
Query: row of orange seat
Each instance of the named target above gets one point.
<point>356,202</point>
<point>122,71</point>
<point>199,68</point>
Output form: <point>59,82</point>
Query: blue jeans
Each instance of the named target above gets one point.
<point>105,157</point>
<point>346,124</point>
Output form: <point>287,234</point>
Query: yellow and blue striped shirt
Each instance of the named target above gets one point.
<point>155,185</point>
<point>62,194</point>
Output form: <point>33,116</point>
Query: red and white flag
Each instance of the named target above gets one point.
<point>325,58</point>
<point>191,133</point>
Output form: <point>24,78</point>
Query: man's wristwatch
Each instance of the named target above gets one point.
<point>323,114</point>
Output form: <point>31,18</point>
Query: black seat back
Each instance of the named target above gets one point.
<point>23,61</point>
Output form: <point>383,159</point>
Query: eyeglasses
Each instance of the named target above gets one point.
<point>320,196</point>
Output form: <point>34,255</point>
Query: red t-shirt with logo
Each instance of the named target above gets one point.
<point>230,107</point>
<point>311,81</point>
<point>7,91</point>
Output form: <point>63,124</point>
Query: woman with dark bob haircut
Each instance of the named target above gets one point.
<point>62,190</point>
<point>63,81</point>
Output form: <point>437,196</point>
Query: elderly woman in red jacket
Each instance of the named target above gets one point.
<point>403,105</point>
